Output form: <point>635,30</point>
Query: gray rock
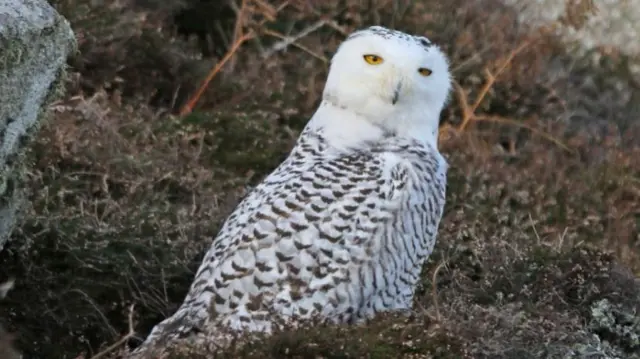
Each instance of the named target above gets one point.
<point>609,24</point>
<point>614,23</point>
<point>35,42</point>
<point>599,75</point>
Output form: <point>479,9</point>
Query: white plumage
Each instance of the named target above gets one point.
<point>341,229</point>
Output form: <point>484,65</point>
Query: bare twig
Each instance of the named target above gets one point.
<point>194,99</point>
<point>239,38</point>
<point>301,47</point>
<point>468,112</point>
<point>96,308</point>
<point>434,289</point>
<point>122,340</point>
<point>334,25</point>
<point>576,14</point>
<point>291,40</point>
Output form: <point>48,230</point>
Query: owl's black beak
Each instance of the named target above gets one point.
<point>396,93</point>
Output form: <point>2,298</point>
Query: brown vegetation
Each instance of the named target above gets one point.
<point>537,250</point>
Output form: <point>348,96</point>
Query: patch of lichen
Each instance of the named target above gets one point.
<point>583,281</point>
<point>616,323</point>
<point>12,53</point>
<point>15,54</point>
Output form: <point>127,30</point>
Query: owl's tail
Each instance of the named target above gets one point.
<point>188,320</point>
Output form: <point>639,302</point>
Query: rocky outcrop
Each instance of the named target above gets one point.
<point>598,76</point>
<point>609,24</point>
<point>35,42</point>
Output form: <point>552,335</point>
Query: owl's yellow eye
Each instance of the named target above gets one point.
<point>424,71</point>
<point>373,59</point>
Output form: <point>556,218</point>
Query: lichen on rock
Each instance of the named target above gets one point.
<point>35,42</point>
<point>616,323</point>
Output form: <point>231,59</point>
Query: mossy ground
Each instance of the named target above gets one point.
<point>126,195</point>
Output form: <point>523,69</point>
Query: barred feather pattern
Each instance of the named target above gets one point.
<point>332,234</point>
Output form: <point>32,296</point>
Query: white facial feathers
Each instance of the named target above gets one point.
<point>394,80</point>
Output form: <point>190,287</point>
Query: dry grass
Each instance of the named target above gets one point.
<point>126,193</point>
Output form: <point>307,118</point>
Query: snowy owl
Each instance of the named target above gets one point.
<point>341,228</point>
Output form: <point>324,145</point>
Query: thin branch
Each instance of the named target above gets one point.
<point>237,29</point>
<point>122,340</point>
<point>239,38</point>
<point>291,40</point>
<point>468,112</point>
<point>334,25</point>
<point>434,289</point>
<point>236,45</point>
<point>288,40</point>
<point>268,11</point>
